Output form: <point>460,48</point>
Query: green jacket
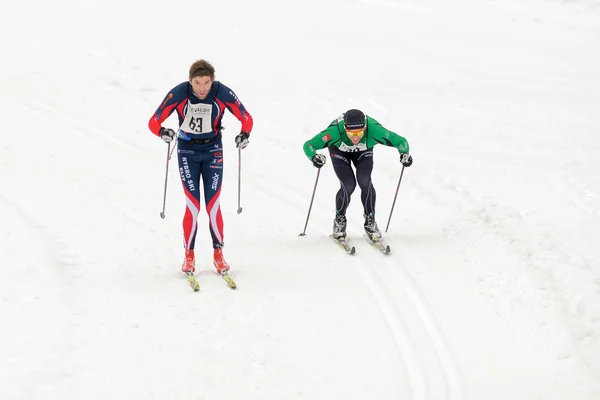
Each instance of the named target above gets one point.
<point>335,135</point>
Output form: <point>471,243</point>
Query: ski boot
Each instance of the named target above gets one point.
<point>339,227</point>
<point>219,262</point>
<point>189,262</point>
<point>371,228</point>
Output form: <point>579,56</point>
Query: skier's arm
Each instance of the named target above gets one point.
<point>163,111</point>
<point>321,140</point>
<point>386,137</point>
<point>235,106</point>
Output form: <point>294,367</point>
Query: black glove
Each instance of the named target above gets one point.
<point>167,135</point>
<point>319,160</point>
<point>241,140</point>
<point>406,159</point>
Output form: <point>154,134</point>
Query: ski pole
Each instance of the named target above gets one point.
<point>239,210</point>
<point>169,153</point>
<point>394,203</point>
<point>311,202</point>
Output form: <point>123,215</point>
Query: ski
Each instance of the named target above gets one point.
<point>343,243</point>
<point>379,245</point>
<point>230,282</point>
<point>194,284</point>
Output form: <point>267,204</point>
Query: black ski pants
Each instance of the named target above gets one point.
<point>363,163</point>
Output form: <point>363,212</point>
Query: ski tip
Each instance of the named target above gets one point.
<point>387,249</point>
<point>230,282</point>
<point>193,282</point>
<point>352,250</point>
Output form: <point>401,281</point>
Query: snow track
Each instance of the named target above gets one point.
<point>433,371</point>
<point>492,289</point>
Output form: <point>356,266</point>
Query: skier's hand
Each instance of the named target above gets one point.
<point>241,140</point>
<point>406,159</point>
<point>167,135</point>
<point>319,160</point>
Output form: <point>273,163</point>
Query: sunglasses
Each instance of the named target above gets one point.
<point>355,132</point>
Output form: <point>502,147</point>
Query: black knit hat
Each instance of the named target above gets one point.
<point>354,119</point>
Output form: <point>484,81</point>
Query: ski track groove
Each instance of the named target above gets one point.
<point>417,376</point>
<point>455,381</point>
<point>454,377</point>
<point>399,330</point>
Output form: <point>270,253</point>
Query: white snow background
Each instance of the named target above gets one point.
<point>492,289</point>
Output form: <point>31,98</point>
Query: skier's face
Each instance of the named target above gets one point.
<point>355,135</point>
<point>201,86</point>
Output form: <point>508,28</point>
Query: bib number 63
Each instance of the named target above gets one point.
<point>196,124</point>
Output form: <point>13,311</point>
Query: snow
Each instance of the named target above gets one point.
<point>492,290</point>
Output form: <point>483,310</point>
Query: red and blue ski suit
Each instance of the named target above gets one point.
<point>200,150</point>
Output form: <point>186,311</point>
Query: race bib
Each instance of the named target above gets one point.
<point>198,118</point>
<point>353,149</point>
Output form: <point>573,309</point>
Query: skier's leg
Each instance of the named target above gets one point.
<point>343,170</point>
<point>212,178</point>
<point>363,162</point>
<point>189,170</point>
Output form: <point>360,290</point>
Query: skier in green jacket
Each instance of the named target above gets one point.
<point>350,139</point>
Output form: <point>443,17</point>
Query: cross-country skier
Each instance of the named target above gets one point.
<point>200,103</point>
<point>350,139</point>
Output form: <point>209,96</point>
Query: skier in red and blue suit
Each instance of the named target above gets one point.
<point>200,104</point>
